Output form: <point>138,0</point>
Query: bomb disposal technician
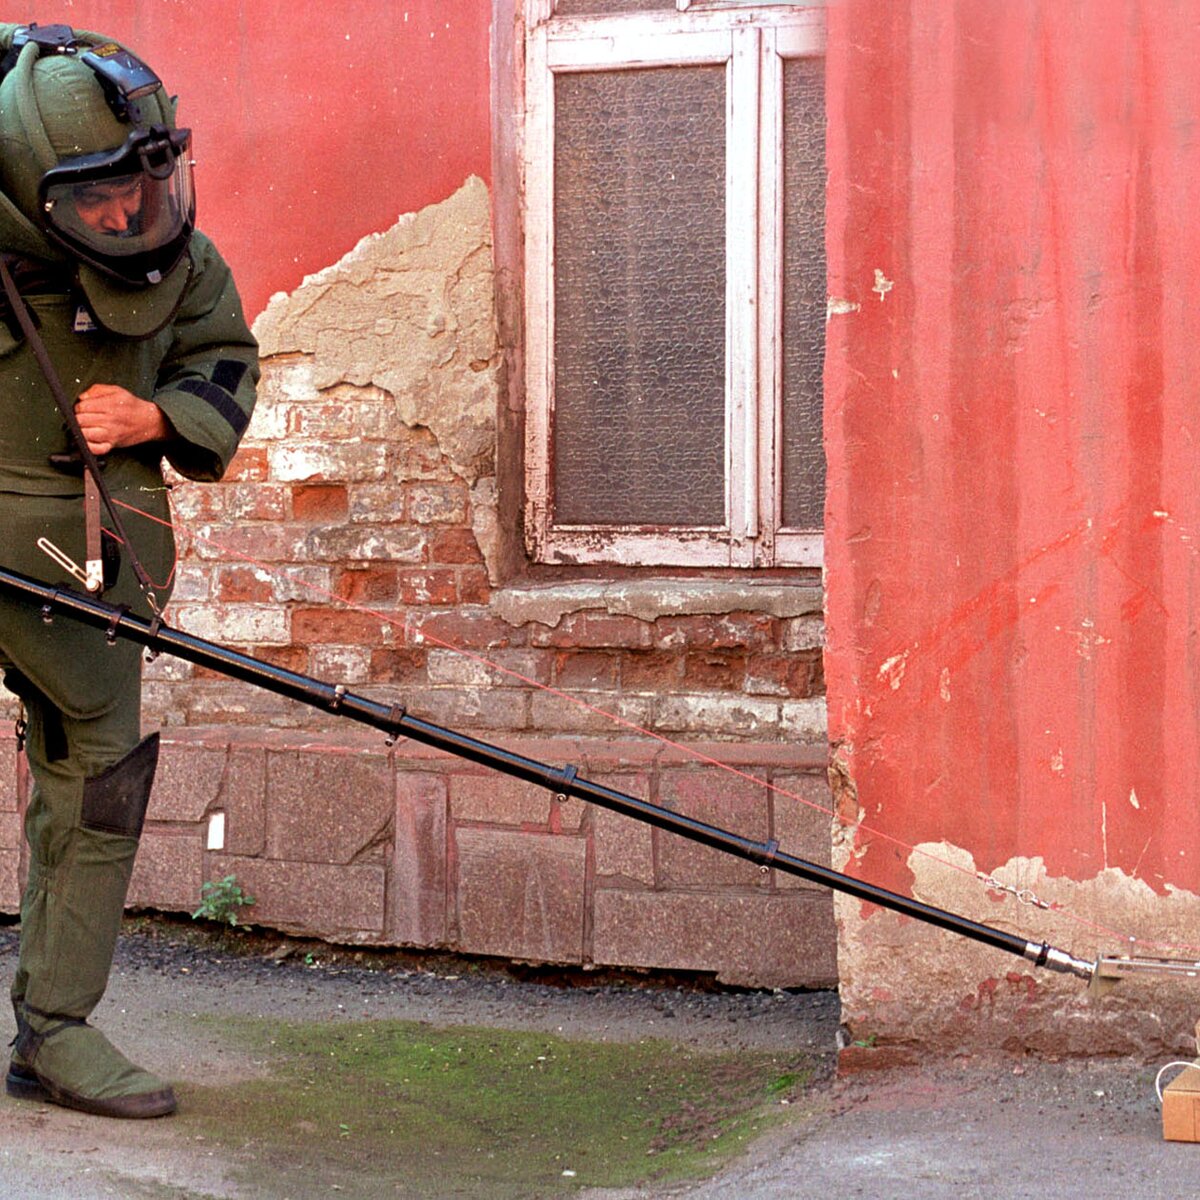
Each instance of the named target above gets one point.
<point>139,319</point>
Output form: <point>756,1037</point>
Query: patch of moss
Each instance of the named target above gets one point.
<point>403,1109</point>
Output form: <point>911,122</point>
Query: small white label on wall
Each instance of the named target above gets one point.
<point>216,831</point>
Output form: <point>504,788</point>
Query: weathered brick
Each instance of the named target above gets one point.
<point>339,903</point>
<point>652,671</point>
<point>471,629</point>
<point>497,800</point>
<point>249,463</point>
<point>714,670</point>
<point>750,940</point>
<point>242,623</point>
<point>366,543</point>
<point>730,631</point>
<point>584,669</point>
<point>308,584</point>
<point>805,719</point>
<point>502,668</point>
<point>716,798</point>
<point>521,895</point>
<point>243,585</point>
<point>454,544</point>
<point>339,421</point>
<point>168,871</point>
<point>417,892</point>
<point>341,664</point>
<point>714,714</point>
<point>591,630</point>
<point>404,667</point>
<point>474,587</point>
<point>801,828</point>
<point>316,462</point>
<point>779,675</point>
<point>268,541</point>
<point>472,708</point>
<point>320,504</point>
<point>255,502</point>
<point>803,633</point>
<point>599,715</point>
<point>327,807</point>
<point>377,583</point>
<point>376,503</point>
<point>338,626</point>
<point>436,585</point>
<point>188,781</point>
<point>624,847</point>
<point>436,503</point>
<point>193,581</point>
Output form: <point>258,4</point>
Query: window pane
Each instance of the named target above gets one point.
<point>639,294</point>
<point>803,292</point>
<point>578,8</point>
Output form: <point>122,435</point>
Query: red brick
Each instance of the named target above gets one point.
<point>320,504</point>
<point>651,671</point>
<point>243,585</point>
<point>712,670</point>
<point>749,940</point>
<point>521,895</point>
<point>373,584</point>
<point>290,658</point>
<point>325,806</point>
<point>249,463</point>
<point>337,626</point>
<point>195,503</point>
<point>755,631</point>
<point>436,586</point>
<point>716,798</point>
<point>168,871</point>
<point>417,891</point>
<point>780,675</point>
<point>398,666</point>
<point>584,670</point>
<point>264,542</point>
<point>255,501</point>
<point>339,903</point>
<point>454,544</point>
<point>473,586</point>
<point>465,629</point>
<point>587,630</point>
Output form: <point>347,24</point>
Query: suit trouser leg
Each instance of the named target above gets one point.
<point>92,779</point>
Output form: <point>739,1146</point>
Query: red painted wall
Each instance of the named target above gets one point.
<point>1014,429</point>
<point>314,123</point>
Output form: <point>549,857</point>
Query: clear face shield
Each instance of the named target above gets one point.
<point>128,212</point>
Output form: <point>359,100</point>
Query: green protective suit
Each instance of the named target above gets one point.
<point>188,349</point>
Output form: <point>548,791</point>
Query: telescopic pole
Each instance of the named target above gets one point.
<point>395,721</point>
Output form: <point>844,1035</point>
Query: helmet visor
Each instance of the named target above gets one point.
<point>127,212</point>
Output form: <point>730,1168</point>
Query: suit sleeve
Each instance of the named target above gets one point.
<point>207,381</point>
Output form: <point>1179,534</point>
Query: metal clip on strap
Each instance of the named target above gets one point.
<point>560,781</point>
<point>110,634</point>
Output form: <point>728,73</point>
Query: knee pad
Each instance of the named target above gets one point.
<point>115,801</point>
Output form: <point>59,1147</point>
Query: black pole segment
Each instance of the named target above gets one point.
<point>394,721</point>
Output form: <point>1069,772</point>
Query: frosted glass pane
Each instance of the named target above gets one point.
<point>639,291</point>
<point>803,292</point>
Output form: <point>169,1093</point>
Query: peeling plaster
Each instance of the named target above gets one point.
<point>411,311</point>
<point>903,981</point>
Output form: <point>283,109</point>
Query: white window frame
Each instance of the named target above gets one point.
<point>752,44</point>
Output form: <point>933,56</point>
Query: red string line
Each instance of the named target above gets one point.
<point>1127,940</point>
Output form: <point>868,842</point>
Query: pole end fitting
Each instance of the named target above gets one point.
<point>1042,954</point>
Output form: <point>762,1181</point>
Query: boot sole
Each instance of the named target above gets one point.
<point>25,1085</point>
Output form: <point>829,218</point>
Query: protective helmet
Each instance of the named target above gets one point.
<point>90,152</point>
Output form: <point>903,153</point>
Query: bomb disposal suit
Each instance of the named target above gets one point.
<point>140,320</point>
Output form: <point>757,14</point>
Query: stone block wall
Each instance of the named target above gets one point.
<point>359,537</point>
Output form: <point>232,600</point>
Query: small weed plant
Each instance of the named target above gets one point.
<point>223,900</point>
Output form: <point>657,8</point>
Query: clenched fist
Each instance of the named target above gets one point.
<point>112,417</point>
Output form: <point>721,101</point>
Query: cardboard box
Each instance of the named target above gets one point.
<point>1181,1106</point>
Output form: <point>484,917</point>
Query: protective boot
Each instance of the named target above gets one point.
<point>83,832</point>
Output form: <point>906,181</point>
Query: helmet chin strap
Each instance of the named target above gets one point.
<point>67,409</point>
